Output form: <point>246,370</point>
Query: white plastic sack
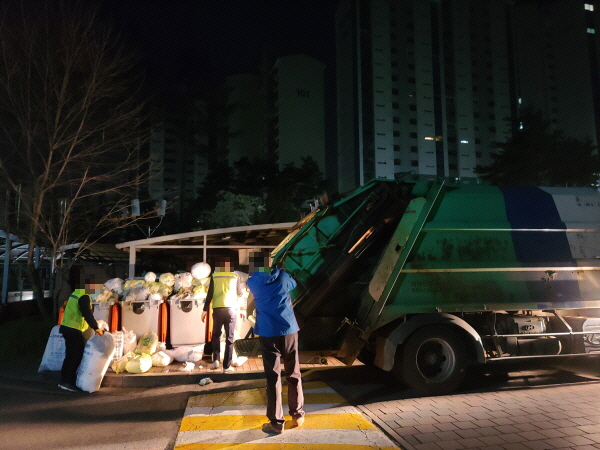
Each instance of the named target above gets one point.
<point>103,325</point>
<point>187,353</point>
<point>54,355</point>
<point>115,285</point>
<point>119,341</point>
<point>129,341</point>
<point>161,359</point>
<point>200,270</point>
<point>187,367</point>
<point>183,281</point>
<point>138,294</point>
<point>150,277</point>
<point>97,356</point>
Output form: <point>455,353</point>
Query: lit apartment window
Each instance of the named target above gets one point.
<point>591,31</point>
<point>589,7</point>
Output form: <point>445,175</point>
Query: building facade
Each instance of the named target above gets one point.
<point>177,157</point>
<point>296,113</point>
<point>245,115</point>
<point>557,52</point>
<point>424,87</point>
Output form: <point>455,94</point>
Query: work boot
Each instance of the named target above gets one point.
<point>215,365</point>
<point>297,421</point>
<point>272,429</point>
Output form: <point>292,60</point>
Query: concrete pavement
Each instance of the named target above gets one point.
<point>564,417</point>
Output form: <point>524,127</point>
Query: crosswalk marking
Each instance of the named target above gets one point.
<point>274,446</point>
<point>233,420</point>
<point>242,422</point>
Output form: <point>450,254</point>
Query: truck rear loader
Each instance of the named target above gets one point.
<point>425,278</point>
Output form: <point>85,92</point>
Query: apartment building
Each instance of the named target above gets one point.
<point>424,87</point>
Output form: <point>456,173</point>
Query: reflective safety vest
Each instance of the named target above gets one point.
<point>225,293</point>
<point>73,317</point>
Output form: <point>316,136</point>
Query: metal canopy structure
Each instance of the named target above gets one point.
<point>266,236</point>
<point>95,254</point>
<point>18,250</point>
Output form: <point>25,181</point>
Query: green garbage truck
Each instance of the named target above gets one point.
<point>425,278</point>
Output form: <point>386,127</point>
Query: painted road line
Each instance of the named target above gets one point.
<point>233,420</point>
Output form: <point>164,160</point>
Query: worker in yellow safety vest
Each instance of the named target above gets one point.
<point>77,319</point>
<point>224,292</point>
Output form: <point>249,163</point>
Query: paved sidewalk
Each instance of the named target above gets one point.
<point>234,419</point>
<point>561,417</point>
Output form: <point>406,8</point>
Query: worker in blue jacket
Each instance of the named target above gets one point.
<point>277,329</point>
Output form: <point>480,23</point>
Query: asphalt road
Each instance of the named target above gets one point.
<point>42,416</point>
<point>34,416</point>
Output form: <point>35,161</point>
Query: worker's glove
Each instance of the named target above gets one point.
<point>204,314</point>
<point>243,315</point>
<point>99,332</point>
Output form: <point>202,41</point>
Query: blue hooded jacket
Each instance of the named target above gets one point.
<point>274,311</point>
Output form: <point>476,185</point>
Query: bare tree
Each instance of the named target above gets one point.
<point>70,127</point>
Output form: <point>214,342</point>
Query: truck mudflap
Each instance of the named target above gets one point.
<point>386,347</point>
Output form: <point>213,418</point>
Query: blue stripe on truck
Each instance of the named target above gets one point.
<point>532,208</point>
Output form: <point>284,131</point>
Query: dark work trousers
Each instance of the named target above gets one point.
<point>223,318</point>
<point>74,346</point>
<point>274,350</point>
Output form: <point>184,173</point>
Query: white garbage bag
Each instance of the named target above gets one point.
<point>183,281</point>
<point>161,359</point>
<point>200,270</point>
<point>54,355</point>
<point>129,341</point>
<point>115,285</point>
<point>119,345</point>
<point>150,277</point>
<point>138,294</point>
<point>187,353</point>
<point>97,356</point>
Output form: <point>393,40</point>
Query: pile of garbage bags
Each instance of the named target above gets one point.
<point>191,285</point>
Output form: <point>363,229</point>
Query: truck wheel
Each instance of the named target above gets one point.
<point>434,361</point>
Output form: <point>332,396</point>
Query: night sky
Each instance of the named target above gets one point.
<point>204,40</point>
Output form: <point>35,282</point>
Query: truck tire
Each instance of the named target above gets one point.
<point>433,360</point>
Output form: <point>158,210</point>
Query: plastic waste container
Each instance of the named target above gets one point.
<point>185,322</point>
<point>103,310</point>
<point>141,317</point>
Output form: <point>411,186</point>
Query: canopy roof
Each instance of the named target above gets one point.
<point>263,236</point>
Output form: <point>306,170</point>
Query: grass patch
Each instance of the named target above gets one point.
<point>23,339</point>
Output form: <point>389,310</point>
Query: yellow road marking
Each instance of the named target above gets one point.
<point>280,446</point>
<point>246,422</point>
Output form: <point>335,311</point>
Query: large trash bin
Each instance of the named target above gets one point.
<point>185,322</point>
<point>141,317</point>
<point>103,310</point>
